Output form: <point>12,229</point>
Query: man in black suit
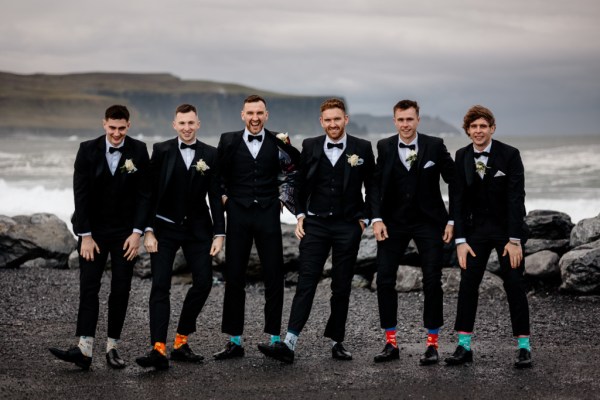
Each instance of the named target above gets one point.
<point>408,205</point>
<point>489,214</point>
<point>182,171</point>
<point>256,166</point>
<point>331,215</point>
<point>111,205</point>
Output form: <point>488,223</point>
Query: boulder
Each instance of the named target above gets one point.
<point>30,237</point>
<point>547,224</point>
<point>586,231</point>
<point>558,246</point>
<point>408,279</point>
<point>542,265</point>
<point>580,269</point>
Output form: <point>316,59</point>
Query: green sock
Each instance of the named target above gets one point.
<point>464,340</point>
<point>237,340</point>
<point>523,343</point>
<point>275,338</point>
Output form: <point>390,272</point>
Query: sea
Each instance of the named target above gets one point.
<point>562,173</point>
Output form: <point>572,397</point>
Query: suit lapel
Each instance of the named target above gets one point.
<point>391,154</point>
<point>348,151</point>
<point>317,153</point>
<point>491,163</point>
<point>100,157</point>
<point>172,155</point>
<point>469,165</point>
<point>423,144</point>
<point>198,154</point>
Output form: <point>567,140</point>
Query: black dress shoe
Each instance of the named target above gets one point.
<point>460,356</point>
<point>278,350</point>
<point>388,353</point>
<point>523,359</point>
<point>73,355</point>
<point>430,357</point>
<point>231,350</point>
<point>185,353</point>
<point>340,353</point>
<point>153,359</point>
<point>114,360</point>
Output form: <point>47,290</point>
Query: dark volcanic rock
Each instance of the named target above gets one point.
<point>559,246</point>
<point>580,269</point>
<point>542,265</point>
<point>548,224</point>
<point>586,231</point>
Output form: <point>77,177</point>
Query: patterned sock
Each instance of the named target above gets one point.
<point>390,337</point>
<point>290,340</point>
<point>523,343</point>
<point>275,338</point>
<point>111,344</point>
<point>86,345</point>
<point>236,340</point>
<point>180,340</point>
<point>432,337</point>
<point>161,348</point>
<point>464,340</point>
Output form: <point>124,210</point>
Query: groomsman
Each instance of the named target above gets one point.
<point>408,205</point>
<point>182,170</point>
<point>257,168</point>
<point>111,203</point>
<point>331,215</point>
<point>490,212</point>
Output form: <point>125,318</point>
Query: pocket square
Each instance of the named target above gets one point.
<point>429,164</point>
<point>499,173</point>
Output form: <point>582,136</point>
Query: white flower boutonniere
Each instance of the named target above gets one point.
<point>284,137</point>
<point>480,167</point>
<point>129,167</point>
<point>201,166</point>
<point>355,160</point>
<point>412,157</point>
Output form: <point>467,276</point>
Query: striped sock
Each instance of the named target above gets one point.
<point>390,336</point>
<point>464,340</point>
<point>523,343</point>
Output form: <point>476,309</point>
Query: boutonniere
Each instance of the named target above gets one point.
<point>284,137</point>
<point>355,160</point>
<point>129,167</point>
<point>412,157</point>
<point>201,166</point>
<point>480,167</point>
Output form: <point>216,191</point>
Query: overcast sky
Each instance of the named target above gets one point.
<point>535,63</point>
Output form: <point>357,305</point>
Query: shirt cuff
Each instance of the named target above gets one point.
<point>514,239</point>
<point>85,234</point>
<point>220,235</point>
<point>376,220</point>
<point>451,222</point>
<point>148,229</point>
<point>301,215</point>
<point>460,240</point>
<point>135,230</point>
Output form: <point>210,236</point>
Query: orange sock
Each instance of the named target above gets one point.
<point>161,348</point>
<point>180,340</point>
<point>432,340</point>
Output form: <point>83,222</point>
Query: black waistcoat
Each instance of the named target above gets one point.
<point>174,202</point>
<point>400,200</point>
<point>326,197</point>
<point>111,217</point>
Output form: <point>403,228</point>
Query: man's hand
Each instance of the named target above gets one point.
<point>462,250</point>
<point>448,233</point>
<point>362,225</point>
<point>217,245</point>
<point>515,253</point>
<point>300,228</point>
<point>150,242</point>
<point>380,231</point>
<point>132,243</point>
<point>88,247</point>
<point>223,200</point>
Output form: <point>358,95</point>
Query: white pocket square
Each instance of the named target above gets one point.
<point>499,173</point>
<point>429,164</point>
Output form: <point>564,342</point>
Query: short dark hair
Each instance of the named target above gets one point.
<point>254,98</point>
<point>405,105</point>
<point>116,111</point>
<point>475,113</point>
<point>185,108</point>
<point>333,103</point>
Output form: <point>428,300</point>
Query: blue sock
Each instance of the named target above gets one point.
<point>523,343</point>
<point>433,331</point>
<point>275,339</point>
<point>236,339</point>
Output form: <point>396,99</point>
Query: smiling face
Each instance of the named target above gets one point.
<point>480,133</point>
<point>116,130</point>
<point>255,115</point>
<point>334,121</point>
<point>186,125</point>
<point>406,122</point>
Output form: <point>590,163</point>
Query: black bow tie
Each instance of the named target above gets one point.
<point>338,145</point>
<point>407,146</point>
<point>113,149</point>
<point>254,137</point>
<point>187,146</point>
<point>483,153</point>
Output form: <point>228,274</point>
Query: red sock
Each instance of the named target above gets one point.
<point>432,340</point>
<point>390,337</point>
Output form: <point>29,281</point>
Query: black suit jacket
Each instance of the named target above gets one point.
<point>354,206</point>
<point>132,189</point>
<point>431,150</point>
<point>162,165</point>
<point>504,186</point>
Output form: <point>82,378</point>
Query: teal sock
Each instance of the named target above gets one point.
<point>464,340</point>
<point>523,343</point>
<point>236,339</point>
<point>275,339</point>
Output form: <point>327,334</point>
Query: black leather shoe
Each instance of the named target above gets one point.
<point>278,350</point>
<point>185,353</point>
<point>523,359</point>
<point>340,353</point>
<point>388,353</point>
<point>460,356</point>
<point>114,360</point>
<point>153,359</point>
<point>231,350</point>
<point>73,355</point>
<point>430,357</point>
